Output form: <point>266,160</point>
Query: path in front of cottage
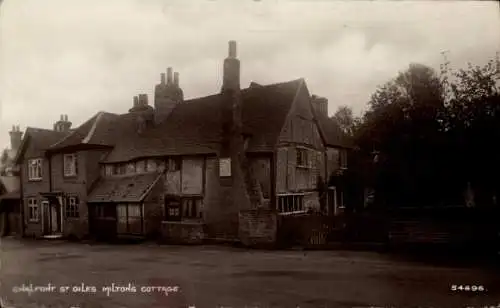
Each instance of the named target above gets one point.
<point>82,275</point>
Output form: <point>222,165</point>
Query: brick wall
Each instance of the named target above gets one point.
<point>153,209</point>
<point>88,173</point>
<point>31,189</point>
<point>257,227</point>
<point>220,217</point>
<point>183,232</point>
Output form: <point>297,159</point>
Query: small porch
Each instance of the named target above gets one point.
<point>118,206</point>
<point>52,214</point>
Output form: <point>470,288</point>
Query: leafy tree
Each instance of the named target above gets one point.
<point>4,160</point>
<point>346,120</point>
<point>403,123</point>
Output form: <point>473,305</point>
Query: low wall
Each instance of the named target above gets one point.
<point>74,228</point>
<point>258,227</point>
<point>182,232</point>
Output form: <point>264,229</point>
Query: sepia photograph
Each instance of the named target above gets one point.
<point>251,153</point>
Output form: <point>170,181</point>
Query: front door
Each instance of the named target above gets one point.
<point>332,201</point>
<point>52,217</point>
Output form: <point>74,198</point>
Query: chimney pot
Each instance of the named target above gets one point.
<point>136,101</point>
<point>162,78</point>
<point>143,99</point>
<point>13,128</point>
<point>232,49</point>
<point>169,75</point>
<point>176,79</point>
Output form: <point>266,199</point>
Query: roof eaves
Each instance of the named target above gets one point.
<point>292,106</point>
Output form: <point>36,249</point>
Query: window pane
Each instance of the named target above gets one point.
<point>141,166</point>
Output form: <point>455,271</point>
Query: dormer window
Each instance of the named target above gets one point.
<point>108,170</point>
<point>70,165</point>
<point>141,166</point>
<point>130,168</point>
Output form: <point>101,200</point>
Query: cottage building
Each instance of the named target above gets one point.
<point>185,170</point>
<point>40,217</point>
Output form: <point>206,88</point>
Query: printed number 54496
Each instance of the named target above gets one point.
<point>467,288</point>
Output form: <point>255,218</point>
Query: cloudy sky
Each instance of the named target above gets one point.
<point>80,57</point>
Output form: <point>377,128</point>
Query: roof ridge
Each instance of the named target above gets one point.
<point>92,130</point>
<point>72,132</point>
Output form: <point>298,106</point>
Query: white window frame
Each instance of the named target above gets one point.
<point>72,209</point>
<point>109,170</point>
<point>151,165</point>
<point>305,156</point>
<point>71,171</point>
<point>33,210</point>
<point>141,166</point>
<point>35,169</point>
<point>130,168</point>
<point>288,204</point>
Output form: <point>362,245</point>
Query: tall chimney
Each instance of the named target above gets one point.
<point>63,125</point>
<point>162,76</point>
<point>169,75</point>
<point>231,78</point>
<point>320,105</point>
<point>143,100</point>
<point>15,137</point>
<point>176,79</point>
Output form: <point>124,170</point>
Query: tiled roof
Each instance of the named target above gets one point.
<point>331,131</point>
<point>102,129</point>
<point>10,183</point>
<point>123,189</point>
<point>11,195</point>
<point>195,127</point>
<point>41,139</point>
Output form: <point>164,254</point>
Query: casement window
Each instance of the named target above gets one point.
<point>151,165</point>
<point>129,218</point>
<point>33,209</point>
<point>192,207</point>
<point>343,159</point>
<point>130,168</point>
<point>72,207</point>
<point>180,208</point>
<point>35,169</point>
<point>140,166</point>
<point>302,158</point>
<point>109,170</point>
<point>70,165</point>
<point>174,164</point>
<point>290,203</point>
<point>172,208</point>
<point>105,210</point>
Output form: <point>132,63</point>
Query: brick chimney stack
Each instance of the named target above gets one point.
<point>169,75</point>
<point>233,181</point>
<point>231,78</point>
<point>320,105</point>
<point>15,138</point>
<point>176,79</point>
<point>167,95</point>
<point>63,125</point>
